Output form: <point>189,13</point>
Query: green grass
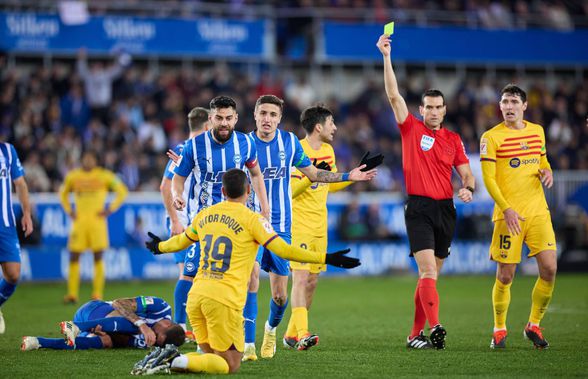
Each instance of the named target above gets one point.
<point>362,323</point>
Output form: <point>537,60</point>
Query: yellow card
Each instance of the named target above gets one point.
<point>389,28</point>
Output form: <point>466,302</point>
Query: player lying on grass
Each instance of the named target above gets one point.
<point>230,234</point>
<point>138,322</point>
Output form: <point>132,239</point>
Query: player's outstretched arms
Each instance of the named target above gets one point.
<point>371,162</point>
<point>340,259</point>
<point>153,244</point>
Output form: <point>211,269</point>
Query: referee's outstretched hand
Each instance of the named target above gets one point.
<point>153,244</point>
<point>339,259</point>
<point>371,162</point>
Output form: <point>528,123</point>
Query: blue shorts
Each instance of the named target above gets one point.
<point>180,256</point>
<point>9,245</point>
<point>270,262</point>
<point>92,310</point>
<point>192,260</point>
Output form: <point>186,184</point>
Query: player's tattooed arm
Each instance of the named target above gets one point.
<point>328,176</point>
<point>126,308</point>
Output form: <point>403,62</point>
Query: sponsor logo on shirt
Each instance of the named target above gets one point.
<point>515,162</point>
<point>427,142</point>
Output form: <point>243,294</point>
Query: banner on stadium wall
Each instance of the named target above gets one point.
<point>137,263</point>
<point>140,214</point>
<point>357,42</point>
<point>31,32</point>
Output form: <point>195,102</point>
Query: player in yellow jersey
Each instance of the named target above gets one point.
<point>90,185</point>
<point>230,234</point>
<point>309,219</point>
<point>514,165</point>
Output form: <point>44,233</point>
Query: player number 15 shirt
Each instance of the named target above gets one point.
<point>428,157</point>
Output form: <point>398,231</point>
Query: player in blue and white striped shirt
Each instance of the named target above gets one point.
<point>208,156</point>
<point>11,171</point>
<point>177,221</point>
<point>278,151</point>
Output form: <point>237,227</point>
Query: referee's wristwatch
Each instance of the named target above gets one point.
<point>471,189</point>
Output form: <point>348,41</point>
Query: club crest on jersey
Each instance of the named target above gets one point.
<point>237,159</point>
<point>524,146</point>
<point>427,143</point>
<point>282,155</point>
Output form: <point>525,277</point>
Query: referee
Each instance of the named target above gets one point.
<point>429,153</point>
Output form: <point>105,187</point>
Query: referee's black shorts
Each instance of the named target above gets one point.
<point>430,224</point>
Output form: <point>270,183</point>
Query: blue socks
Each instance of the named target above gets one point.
<point>276,313</point>
<point>6,290</point>
<point>180,299</point>
<point>109,325</point>
<point>250,314</point>
<point>82,343</point>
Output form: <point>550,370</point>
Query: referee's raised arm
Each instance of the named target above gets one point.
<point>396,100</point>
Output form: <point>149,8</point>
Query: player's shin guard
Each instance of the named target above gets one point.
<point>250,315</point>
<point>276,313</point>
<point>6,290</point>
<point>208,363</point>
<point>300,316</point>
<point>429,300</point>
<point>82,343</point>
<point>98,281</point>
<point>180,299</point>
<point>500,303</point>
<point>109,325</point>
<point>419,315</point>
<point>541,296</point>
<point>73,280</point>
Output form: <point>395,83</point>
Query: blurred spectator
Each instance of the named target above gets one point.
<point>75,110</point>
<point>35,174</point>
<point>98,81</point>
<point>351,226</point>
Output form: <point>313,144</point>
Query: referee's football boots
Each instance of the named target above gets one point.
<point>437,336</point>
<point>419,342</point>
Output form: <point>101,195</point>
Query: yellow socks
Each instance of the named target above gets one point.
<point>300,316</point>
<point>541,296</point>
<point>98,281</point>
<point>73,280</point>
<point>500,303</point>
<point>209,363</point>
<point>291,330</point>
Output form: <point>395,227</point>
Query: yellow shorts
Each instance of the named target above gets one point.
<point>537,233</point>
<point>313,243</point>
<point>88,233</point>
<point>215,323</point>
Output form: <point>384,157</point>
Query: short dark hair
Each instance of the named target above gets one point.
<point>270,99</point>
<point>514,90</point>
<point>221,102</point>
<point>175,334</point>
<point>432,93</point>
<point>317,114</point>
<point>235,182</point>
<point>197,118</point>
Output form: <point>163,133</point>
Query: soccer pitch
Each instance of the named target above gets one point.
<point>362,324</point>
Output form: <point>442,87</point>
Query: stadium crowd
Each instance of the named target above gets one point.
<point>132,115</point>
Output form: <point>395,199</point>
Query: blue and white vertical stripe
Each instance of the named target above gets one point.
<point>276,159</point>
<point>208,160</point>
<point>10,169</point>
